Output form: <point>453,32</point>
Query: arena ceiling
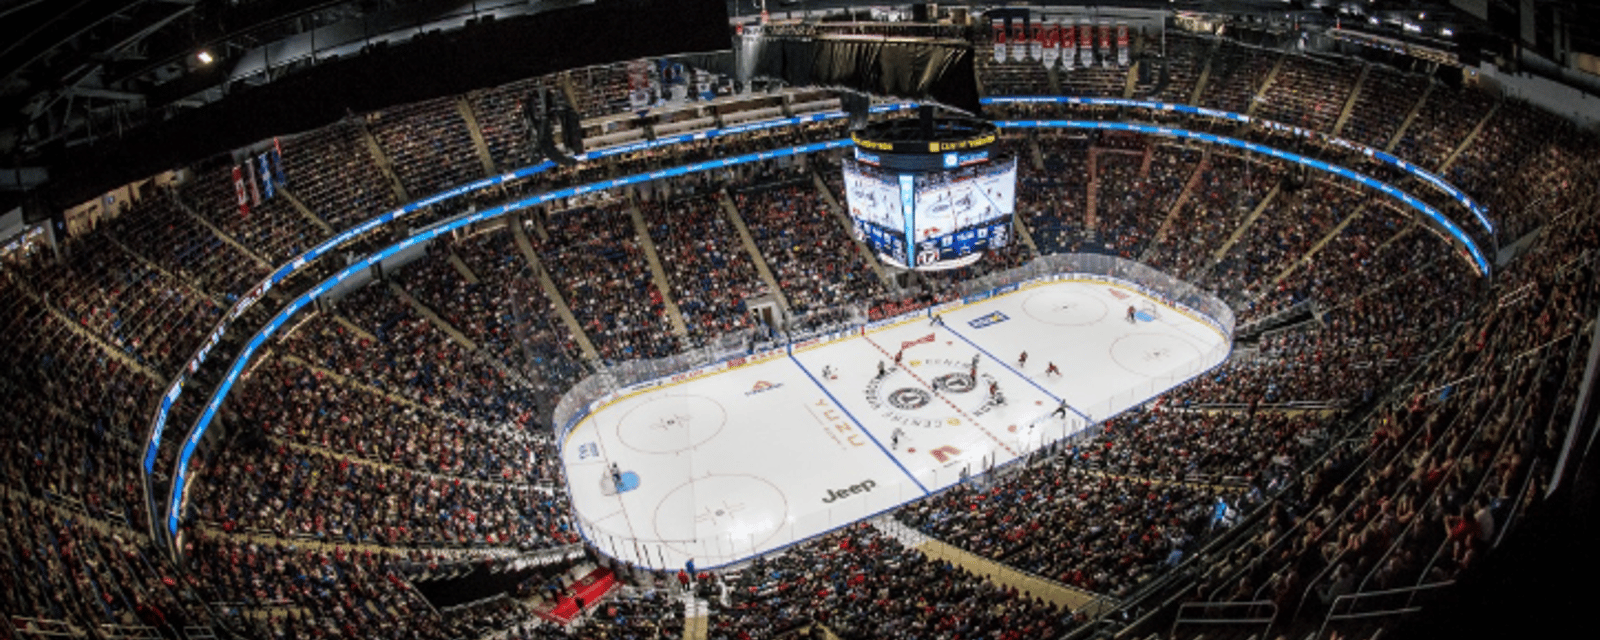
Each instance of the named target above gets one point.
<point>85,74</point>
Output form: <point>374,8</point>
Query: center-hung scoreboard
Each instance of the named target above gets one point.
<point>930,192</point>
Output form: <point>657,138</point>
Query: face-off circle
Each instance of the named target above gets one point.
<point>704,510</point>
<point>908,398</point>
<point>1150,354</point>
<point>671,424</point>
<point>1065,308</point>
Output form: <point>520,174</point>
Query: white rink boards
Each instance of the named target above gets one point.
<point>721,464</point>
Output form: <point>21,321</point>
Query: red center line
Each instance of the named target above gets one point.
<point>946,400</point>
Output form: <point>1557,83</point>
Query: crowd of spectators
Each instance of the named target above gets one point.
<point>807,248</point>
<point>1229,188</point>
<point>139,310</point>
<point>416,359</point>
<point>1237,76</point>
<point>498,303</point>
<point>333,173</point>
<point>1309,93</point>
<point>597,261</point>
<point>427,144</point>
<point>407,439</point>
<point>271,228</point>
<point>1136,189</point>
<point>1302,216</point>
<point>1103,533</point>
<point>859,583</point>
<point>1384,101</point>
<point>711,273</point>
<point>159,230</point>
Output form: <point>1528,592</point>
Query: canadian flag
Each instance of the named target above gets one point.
<point>239,191</point>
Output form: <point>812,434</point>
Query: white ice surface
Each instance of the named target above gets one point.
<point>752,458</point>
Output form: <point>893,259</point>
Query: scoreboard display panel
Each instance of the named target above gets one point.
<point>873,197</point>
<point>963,212</point>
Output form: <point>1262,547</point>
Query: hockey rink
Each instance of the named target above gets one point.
<point>722,465</point>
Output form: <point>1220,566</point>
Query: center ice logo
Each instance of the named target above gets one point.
<point>762,386</point>
<point>838,494</point>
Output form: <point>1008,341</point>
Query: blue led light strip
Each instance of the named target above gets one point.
<point>159,423</point>
<point>179,477</point>
<point>1449,226</point>
<point>1478,210</point>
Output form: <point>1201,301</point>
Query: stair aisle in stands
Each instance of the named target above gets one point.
<point>188,211</point>
<point>1216,256</point>
<point>524,245</point>
<point>696,618</point>
<point>1255,100</point>
<point>1032,586</point>
<point>94,338</point>
<point>1444,167</point>
<point>1179,202</point>
<point>658,276</point>
<point>1093,190</point>
<point>1312,252</point>
<point>1350,102</point>
<point>1400,134</point>
<point>476,133</point>
<point>384,164</point>
<point>306,212</point>
<point>750,246</point>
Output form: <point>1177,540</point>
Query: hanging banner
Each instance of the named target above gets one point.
<point>239,193</point>
<point>1052,46</point>
<point>265,166</point>
<point>1122,45</point>
<point>250,178</point>
<point>1104,52</point>
<point>1036,44</point>
<point>1019,42</point>
<point>277,166</point>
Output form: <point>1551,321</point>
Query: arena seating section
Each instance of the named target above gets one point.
<point>1373,446</point>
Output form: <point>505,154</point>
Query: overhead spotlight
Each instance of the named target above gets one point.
<point>204,57</point>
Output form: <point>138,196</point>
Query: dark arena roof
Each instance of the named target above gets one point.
<point>302,298</point>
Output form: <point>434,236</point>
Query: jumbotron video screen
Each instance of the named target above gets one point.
<point>929,205</point>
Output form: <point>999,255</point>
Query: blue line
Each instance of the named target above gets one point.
<point>1019,373</point>
<point>863,428</point>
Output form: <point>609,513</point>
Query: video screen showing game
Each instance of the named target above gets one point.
<point>877,209</point>
<point>965,211</point>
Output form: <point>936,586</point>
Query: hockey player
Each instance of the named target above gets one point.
<point>1022,360</point>
<point>1050,369</point>
<point>1133,314</point>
